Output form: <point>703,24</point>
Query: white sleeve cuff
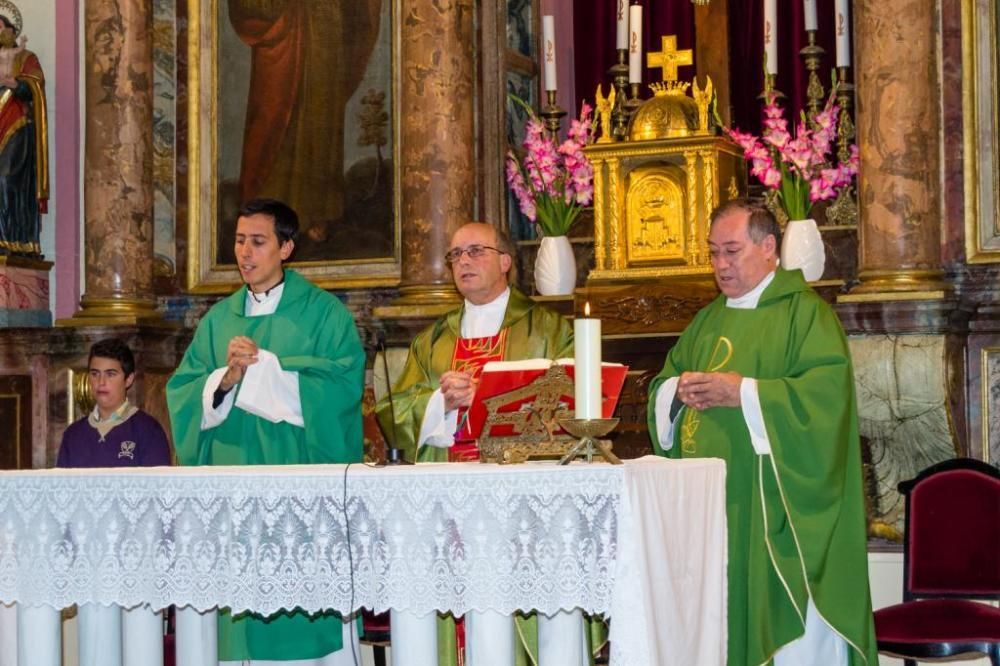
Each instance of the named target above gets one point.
<point>438,427</point>
<point>210,416</point>
<point>754,416</point>
<point>664,400</point>
<point>269,392</point>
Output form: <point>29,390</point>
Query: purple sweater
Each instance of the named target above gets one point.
<point>139,441</point>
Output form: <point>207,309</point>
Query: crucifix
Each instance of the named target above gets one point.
<point>669,59</point>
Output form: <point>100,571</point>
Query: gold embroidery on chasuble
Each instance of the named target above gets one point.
<point>692,418</point>
<point>470,356</point>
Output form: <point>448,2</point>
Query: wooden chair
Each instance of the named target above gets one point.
<point>951,557</point>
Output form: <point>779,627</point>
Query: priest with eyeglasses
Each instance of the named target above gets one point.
<point>496,322</point>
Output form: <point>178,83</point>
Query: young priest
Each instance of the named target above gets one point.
<point>116,433</point>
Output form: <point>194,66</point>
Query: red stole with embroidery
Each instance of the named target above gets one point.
<point>470,355</point>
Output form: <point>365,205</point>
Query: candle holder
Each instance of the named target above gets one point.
<point>589,431</point>
<point>844,209</point>
<point>812,54</point>
<point>633,102</point>
<point>553,114</point>
<point>619,78</point>
<point>769,89</point>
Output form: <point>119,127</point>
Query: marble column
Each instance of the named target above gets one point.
<point>437,140</point>
<point>118,173</point>
<point>899,136</point>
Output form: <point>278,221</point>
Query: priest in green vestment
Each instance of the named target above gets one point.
<point>273,376</point>
<point>437,382</point>
<point>762,378</point>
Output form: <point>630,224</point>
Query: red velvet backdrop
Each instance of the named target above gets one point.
<point>594,36</point>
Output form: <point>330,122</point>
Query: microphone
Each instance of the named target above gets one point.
<point>393,456</point>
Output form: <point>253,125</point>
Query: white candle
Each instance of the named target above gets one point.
<point>635,44</point>
<point>809,9</point>
<point>587,365</point>
<point>549,40</point>
<point>771,35</point>
<point>621,36</point>
<point>842,26</point>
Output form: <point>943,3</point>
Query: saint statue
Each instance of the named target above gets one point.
<point>24,172</point>
<point>308,58</point>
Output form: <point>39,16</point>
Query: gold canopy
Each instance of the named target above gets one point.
<point>669,114</point>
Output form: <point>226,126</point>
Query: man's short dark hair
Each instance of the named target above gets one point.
<point>762,222</point>
<point>116,350</point>
<point>286,220</point>
<point>506,245</point>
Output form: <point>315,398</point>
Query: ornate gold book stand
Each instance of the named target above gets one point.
<point>534,426</point>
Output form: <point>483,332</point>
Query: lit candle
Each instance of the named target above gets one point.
<point>843,30</point>
<point>587,365</point>
<point>621,37</point>
<point>771,35</point>
<point>635,44</point>
<point>549,38</point>
<point>809,9</point>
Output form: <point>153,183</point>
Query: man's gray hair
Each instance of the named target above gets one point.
<point>762,222</point>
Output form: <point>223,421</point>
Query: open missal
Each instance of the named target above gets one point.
<point>499,377</point>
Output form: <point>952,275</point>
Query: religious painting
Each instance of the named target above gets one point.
<point>294,101</point>
<point>981,67</point>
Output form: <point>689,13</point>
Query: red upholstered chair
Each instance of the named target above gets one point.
<point>376,633</point>
<point>951,555</point>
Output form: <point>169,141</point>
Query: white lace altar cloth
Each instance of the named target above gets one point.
<point>450,537</point>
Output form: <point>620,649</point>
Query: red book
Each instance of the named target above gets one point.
<point>505,376</point>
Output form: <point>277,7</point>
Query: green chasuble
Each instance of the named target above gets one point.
<point>533,331</point>
<point>796,517</point>
<point>313,334</point>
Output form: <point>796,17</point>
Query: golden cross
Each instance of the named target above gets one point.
<point>669,59</point>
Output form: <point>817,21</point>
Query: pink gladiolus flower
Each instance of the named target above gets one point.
<point>771,178</point>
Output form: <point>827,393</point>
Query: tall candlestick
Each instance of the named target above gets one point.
<point>549,41</point>
<point>842,27</point>
<point>587,366</point>
<point>635,44</point>
<point>621,36</point>
<point>809,10</point>
<point>771,35</point>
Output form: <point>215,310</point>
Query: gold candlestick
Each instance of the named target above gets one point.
<point>553,114</point>
<point>769,89</point>
<point>844,209</point>
<point>813,54</point>
<point>633,102</point>
<point>619,78</point>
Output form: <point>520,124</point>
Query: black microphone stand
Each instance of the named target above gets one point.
<point>393,456</point>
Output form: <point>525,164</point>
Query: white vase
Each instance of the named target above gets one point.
<point>555,267</point>
<point>802,247</point>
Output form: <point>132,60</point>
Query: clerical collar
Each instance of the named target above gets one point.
<point>257,295</point>
<point>258,304</point>
<point>481,321</point>
<point>749,300</point>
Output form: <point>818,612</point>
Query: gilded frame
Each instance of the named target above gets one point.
<point>204,273</point>
<point>980,64</point>
<point>990,407</point>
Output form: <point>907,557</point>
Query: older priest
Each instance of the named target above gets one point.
<point>273,376</point>
<point>762,378</point>
<point>496,322</point>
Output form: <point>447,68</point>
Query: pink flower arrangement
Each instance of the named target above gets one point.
<point>553,183</point>
<point>797,165</point>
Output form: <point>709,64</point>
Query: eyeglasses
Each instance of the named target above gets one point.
<point>454,255</point>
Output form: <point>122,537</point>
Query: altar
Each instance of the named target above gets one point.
<point>643,543</point>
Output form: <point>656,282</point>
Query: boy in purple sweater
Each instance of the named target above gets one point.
<point>116,433</point>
